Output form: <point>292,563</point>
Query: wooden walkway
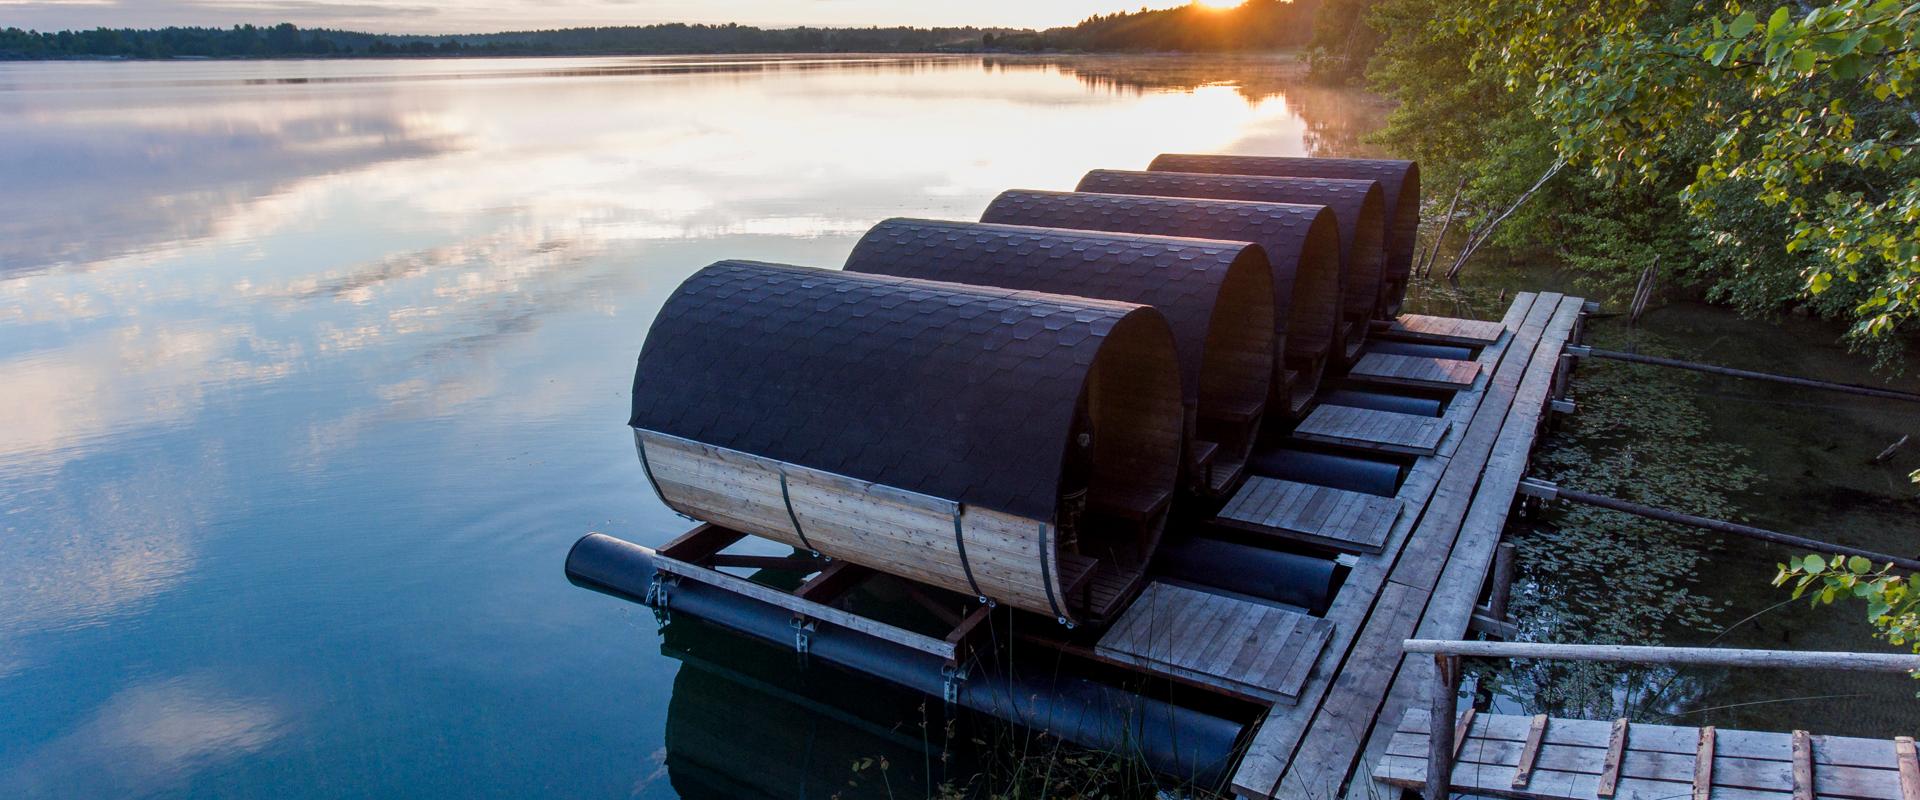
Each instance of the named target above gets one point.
<point>1426,573</point>
<point>1539,758</point>
<point>1244,647</point>
<point>1442,330</point>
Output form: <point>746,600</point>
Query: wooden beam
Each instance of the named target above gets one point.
<point>835,580</point>
<point>1523,770</point>
<point>797,563</point>
<point>1703,766</point>
<point>1903,752</point>
<point>701,543</point>
<point>1802,766</point>
<point>1461,730</point>
<point>1616,753</point>
<point>1694,656</point>
<point>1440,745</point>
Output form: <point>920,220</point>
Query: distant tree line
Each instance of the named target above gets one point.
<point>1257,25</point>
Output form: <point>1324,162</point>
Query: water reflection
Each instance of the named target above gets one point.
<point>316,368</point>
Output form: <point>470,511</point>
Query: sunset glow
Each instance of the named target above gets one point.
<point>1219,5</point>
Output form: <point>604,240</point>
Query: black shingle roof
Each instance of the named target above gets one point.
<point>960,392</point>
<point>1182,277</point>
<point>1285,231</point>
<point>1394,176</point>
<point>1347,198</point>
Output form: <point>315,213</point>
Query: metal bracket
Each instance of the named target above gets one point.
<point>1591,306</point>
<point>803,629</point>
<point>1562,406</point>
<point>951,677</point>
<point>1546,491</point>
<point>1579,351</point>
<point>659,595</point>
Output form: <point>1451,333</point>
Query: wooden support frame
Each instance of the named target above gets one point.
<point>1703,765</point>
<point>1616,753</point>
<point>1904,754</point>
<point>1530,752</point>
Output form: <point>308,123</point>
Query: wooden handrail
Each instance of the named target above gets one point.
<point>1695,656</point>
<point>1441,745</point>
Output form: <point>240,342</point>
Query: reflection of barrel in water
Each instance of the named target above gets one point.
<point>744,723</point>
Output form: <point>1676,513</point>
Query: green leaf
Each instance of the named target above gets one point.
<point>1781,16</point>
<point>1859,566</point>
<point>1715,53</point>
<point>1813,564</point>
<point>1742,25</point>
<point>1804,59</point>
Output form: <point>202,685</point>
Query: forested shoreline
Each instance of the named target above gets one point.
<point>1255,26</point>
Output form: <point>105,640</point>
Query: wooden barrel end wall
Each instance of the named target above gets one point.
<point>1302,244</point>
<point>1358,206</point>
<point>919,428</point>
<point>1216,295</point>
<point>1399,180</point>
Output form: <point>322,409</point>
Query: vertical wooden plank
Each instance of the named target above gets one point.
<point>1903,752</point>
<point>1802,766</point>
<point>1610,768</point>
<point>1523,771</point>
<point>1703,766</point>
<point>1461,730</point>
<point>1440,746</point>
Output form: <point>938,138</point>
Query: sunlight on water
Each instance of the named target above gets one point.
<point>315,369</point>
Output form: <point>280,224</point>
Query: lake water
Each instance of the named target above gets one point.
<point>314,370</point>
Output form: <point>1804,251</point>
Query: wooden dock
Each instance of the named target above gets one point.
<point>1425,574</point>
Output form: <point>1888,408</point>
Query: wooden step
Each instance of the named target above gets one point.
<point>1200,453</point>
<point>1239,646</point>
<point>1234,412</point>
<point>1372,429</point>
<point>1320,515</point>
<point>1134,504</point>
<point>1416,371</point>
<point>1444,330</point>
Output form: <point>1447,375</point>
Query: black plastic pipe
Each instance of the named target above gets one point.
<point>1174,740</point>
<point>1849,388</point>
<point>1397,403</point>
<point>1325,469</point>
<point>1735,528</point>
<point>1297,580</point>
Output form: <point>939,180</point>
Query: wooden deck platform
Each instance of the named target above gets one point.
<point>1427,573</point>
<point>1372,429</point>
<point>1248,648</point>
<point>1539,758</point>
<point>1419,372</point>
<point>1319,515</point>
<point>1442,330</point>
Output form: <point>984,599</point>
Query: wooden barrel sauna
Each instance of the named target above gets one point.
<point>1216,295</point>
<point>1399,180</point>
<point>1016,446</point>
<point>1357,205</point>
<point>1302,243</point>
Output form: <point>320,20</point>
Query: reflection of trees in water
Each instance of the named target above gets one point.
<point>1337,118</point>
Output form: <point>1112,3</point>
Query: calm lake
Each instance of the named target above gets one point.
<point>314,370</point>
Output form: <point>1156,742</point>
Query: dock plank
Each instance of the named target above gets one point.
<point>1420,372</point>
<point>1443,330</point>
<point>1373,429</point>
<point>1204,637</point>
<point>1279,508</point>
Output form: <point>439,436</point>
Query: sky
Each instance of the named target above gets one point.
<point>453,16</point>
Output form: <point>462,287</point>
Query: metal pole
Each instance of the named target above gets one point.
<point>1697,656</point>
<point>1850,388</point>
<point>1722,526</point>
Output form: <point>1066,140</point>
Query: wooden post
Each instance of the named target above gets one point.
<point>1440,731</point>
<point>1502,589</point>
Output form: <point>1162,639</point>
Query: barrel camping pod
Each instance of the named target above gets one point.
<point>1302,243</point>
<point>938,432</point>
<point>1400,180</point>
<point>1216,295</point>
<point>1357,205</point>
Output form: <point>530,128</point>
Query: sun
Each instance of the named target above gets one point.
<point>1219,5</point>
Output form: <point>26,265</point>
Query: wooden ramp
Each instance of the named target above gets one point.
<point>1319,515</point>
<point>1244,647</point>
<point>1419,372</point>
<point>1372,429</point>
<point>1539,758</point>
<point>1430,568</point>
<point>1443,330</point>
